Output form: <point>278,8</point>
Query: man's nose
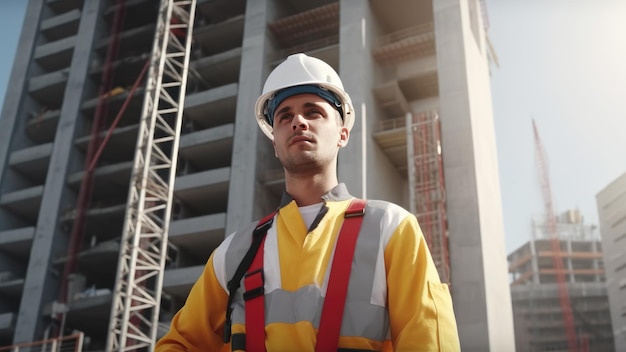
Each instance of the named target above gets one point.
<point>299,121</point>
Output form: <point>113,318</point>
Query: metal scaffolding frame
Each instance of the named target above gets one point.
<point>427,187</point>
<point>134,317</point>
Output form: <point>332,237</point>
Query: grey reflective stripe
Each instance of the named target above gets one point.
<point>237,250</point>
<point>361,316</point>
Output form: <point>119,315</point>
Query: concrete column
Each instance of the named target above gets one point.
<point>354,61</point>
<point>534,261</point>
<point>12,118</point>
<point>364,168</point>
<point>480,287</point>
<point>595,264</point>
<point>241,192</point>
<point>570,267</point>
<point>41,287</point>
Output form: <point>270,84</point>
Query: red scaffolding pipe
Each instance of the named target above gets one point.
<point>86,186</point>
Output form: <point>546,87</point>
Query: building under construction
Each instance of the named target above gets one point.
<point>537,310</point>
<point>611,202</point>
<point>71,129</point>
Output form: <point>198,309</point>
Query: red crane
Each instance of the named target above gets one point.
<point>557,257</point>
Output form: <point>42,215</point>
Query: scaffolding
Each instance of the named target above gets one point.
<point>427,192</point>
<point>134,317</point>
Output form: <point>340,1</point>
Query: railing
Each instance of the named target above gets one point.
<point>390,124</point>
<point>70,343</point>
<point>400,122</point>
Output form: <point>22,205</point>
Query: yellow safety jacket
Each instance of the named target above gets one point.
<point>395,300</point>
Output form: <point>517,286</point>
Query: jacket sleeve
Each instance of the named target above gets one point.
<point>420,306</point>
<point>198,325</point>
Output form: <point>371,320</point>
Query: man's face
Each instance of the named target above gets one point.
<point>308,133</point>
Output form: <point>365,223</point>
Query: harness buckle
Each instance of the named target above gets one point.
<point>259,281</point>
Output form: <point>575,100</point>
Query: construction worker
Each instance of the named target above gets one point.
<point>326,272</point>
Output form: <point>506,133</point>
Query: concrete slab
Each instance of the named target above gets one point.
<point>56,55</point>
<point>212,107</point>
<point>60,6</point>
<point>42,126</point>
<point>178,282</point>
<point>119,147</point>
<point>17,242</point>
<point>218,11</point>
<point>61,26</point>
<point>24,202</point>
<point>106,222</point>
<point>221,36</point>
<point>133,42</point>
<point>98,262</point>
<point>198,236</point>
<point>7,325</point>
<point>110,181</point>
<point>218,69</point>
<point>12,289</point>
<point>48,88</point>
<point>208,149</point>
<point>90,313</point>
<point>32,162</point>
<point>204,192</point>
<point>132,113</point>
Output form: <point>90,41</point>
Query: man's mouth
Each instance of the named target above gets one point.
<point>299,139</point>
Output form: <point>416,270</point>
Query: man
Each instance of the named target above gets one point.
<point>390,296</point>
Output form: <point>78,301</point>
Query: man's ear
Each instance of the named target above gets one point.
<point>344,136</point>
<point>274,145</point>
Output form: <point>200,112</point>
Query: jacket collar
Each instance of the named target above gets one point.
<point>338,193</point>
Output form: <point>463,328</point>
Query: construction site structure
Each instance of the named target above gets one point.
<point>134,320</point>
<point>611,201</point>
<point>537,310</point>
<point>420,140</point>
<point>574,343</point>
<point>427,193</point>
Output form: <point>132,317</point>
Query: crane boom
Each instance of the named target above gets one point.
<point>566,307</point>
<point>137,294</point>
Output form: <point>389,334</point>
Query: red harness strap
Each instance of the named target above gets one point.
<point>332,311</point>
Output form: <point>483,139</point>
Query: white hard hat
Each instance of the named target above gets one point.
<point>309,74</point>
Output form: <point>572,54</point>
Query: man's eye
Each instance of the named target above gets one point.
<point>284,117</point>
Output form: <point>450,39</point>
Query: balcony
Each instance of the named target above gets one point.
<point>208,149</point>
<point>61,26</point>
<point>407,44</point>
<point>32,162</point>
<point>213,107</point>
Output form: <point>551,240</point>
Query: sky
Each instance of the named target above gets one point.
<point>563,64</point>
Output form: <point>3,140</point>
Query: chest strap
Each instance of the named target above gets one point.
<point>258,237</point>
<point>336,292</point>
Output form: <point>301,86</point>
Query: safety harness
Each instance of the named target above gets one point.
<point>333,308</point>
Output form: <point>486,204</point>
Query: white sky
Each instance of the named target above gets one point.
<point>563,63</point>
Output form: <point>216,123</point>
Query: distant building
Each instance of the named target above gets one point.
<point>537,313</point>
<point>612,214</point>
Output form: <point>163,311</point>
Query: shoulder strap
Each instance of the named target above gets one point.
<point>258,235</point>
<point>337,289</point>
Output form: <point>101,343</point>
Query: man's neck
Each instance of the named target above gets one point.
<point>309,190</point>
